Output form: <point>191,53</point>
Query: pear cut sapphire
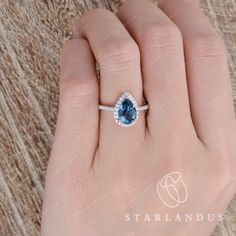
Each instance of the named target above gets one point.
<point>127,113</point>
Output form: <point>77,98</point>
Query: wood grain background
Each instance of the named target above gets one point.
<point>31,35</point>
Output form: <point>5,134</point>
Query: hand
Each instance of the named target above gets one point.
<point>102,179</point>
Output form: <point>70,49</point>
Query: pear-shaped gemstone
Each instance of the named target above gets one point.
<point>127,113</point>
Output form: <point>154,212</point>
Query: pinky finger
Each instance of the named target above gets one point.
<point>77,125</point>
<point>75,139</point>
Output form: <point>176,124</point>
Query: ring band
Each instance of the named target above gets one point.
<point>109,108</point>
<point>126,111</point>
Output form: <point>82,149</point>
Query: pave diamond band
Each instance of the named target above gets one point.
<point>109,108</point>
<point>126,111</point>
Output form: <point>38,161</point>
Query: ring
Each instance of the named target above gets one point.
<point>126,111</point>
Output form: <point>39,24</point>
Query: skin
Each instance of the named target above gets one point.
<point>98,171</point>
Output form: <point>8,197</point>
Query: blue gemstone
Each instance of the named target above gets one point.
<point>127,112</point>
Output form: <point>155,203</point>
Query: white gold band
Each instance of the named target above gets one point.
<point>110,108</point>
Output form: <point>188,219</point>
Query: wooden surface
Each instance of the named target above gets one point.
<point>31,35</point>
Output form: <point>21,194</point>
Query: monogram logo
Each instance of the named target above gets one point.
<point>171,190</point>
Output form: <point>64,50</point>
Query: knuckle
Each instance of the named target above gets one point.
<point>160,35</point>
<point>225,177</point>
<point>207,46</point>
<point>118,51</point>
<point>224,170</point>
<point>68,45</point>
<point>74,88</point>
<point>88,17</point>
<point>94,13</point>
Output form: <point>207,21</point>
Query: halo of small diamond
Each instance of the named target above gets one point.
<point>124,96</point>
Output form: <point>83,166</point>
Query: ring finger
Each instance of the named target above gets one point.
<point>119,61</point>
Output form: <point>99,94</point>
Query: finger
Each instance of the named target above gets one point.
<point>74,143</point>
<point>207,70</point>
<point>118,57</point>
<point>78,100</point>
<point>163,66</point>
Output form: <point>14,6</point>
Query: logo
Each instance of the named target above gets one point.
<point>172,190</point>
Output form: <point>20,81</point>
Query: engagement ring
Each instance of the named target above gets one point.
<point>126,111</point>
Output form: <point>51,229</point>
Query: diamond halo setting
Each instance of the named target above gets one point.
<point>126,110</point>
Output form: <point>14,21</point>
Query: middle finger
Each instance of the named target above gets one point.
<point>163,67</point>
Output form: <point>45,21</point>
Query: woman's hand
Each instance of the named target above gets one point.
<point>104,179</point>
